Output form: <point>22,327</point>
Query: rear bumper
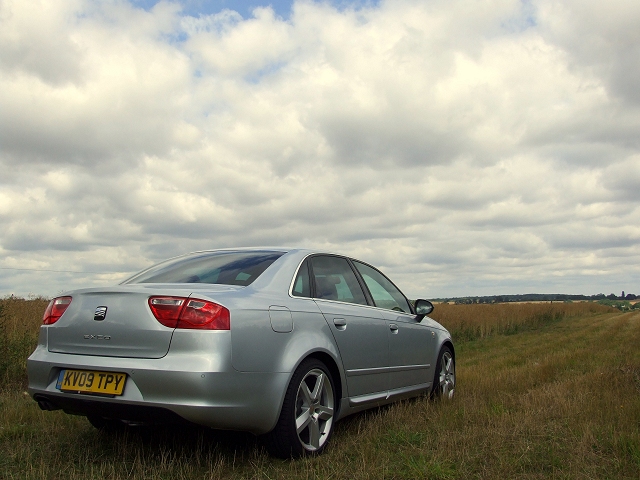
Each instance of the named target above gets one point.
<point>200,387</point>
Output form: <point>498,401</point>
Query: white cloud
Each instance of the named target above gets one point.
<point>464,147</point>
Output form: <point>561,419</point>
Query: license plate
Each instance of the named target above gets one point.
<point>87,381</point>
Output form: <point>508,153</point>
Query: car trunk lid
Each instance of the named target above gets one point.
<point>115,322</point>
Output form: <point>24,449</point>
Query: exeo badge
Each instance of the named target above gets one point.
<point>100,313</point>
<point>97,337</point>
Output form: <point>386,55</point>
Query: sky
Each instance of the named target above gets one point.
<point>464,147</point>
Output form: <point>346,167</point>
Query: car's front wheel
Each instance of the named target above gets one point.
<point>306,419</point>
<point>444,383</point>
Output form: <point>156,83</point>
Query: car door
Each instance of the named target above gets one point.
<point>411,343</point>
<point>359,329</point>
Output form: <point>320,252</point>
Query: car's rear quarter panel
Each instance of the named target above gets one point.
<point>256,347</point>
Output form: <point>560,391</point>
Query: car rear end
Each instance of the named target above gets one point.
<point>151,353</point>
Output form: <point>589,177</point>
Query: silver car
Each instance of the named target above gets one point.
<point>280,342</point>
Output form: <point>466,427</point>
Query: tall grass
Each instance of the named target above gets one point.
<point>471,322</point>
<point>20,320</point>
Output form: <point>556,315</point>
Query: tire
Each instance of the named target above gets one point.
<point>305,424</point>
<point>444,380</point>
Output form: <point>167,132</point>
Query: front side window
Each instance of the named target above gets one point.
<point>335,280</point>
<point>227,268</point>
<point>384,293</point>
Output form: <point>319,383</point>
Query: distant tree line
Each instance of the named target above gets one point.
<point>540,297</point>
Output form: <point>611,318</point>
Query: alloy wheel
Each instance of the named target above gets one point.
<point>314,410</point>
<point>447,375</point>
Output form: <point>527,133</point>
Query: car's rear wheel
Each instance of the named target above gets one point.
<point>444,383</point>
<point>306,419</point>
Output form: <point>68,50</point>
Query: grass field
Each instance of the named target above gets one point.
<point>544,391</point>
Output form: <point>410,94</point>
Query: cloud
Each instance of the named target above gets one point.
<point>597,36</point>
<point>464,147</point>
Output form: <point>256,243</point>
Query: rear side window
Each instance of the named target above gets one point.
<point>335,280</point>
<point>301,285</point>
<point>227,268</point>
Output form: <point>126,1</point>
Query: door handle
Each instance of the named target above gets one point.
<point>393,327</point>
<point>340,323</point>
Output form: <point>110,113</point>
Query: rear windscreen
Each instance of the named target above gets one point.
<point>227,268</point>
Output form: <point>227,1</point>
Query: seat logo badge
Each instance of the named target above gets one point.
<point>100,313</point>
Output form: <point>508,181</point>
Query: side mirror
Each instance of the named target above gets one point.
<point>423,308</point>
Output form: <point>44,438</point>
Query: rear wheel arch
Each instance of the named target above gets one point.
<point>332,366</point>
<point>305,422</point>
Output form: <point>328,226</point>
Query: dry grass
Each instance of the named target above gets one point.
<point>560,400</point>
<point>20,320</point>
<point>470,322</point>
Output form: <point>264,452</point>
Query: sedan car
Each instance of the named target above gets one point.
<point>279,342</point>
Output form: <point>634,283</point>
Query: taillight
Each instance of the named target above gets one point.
<point>167,309</point>
<point>55,309</point>
<point>193,313</point>
<point>203,314</point>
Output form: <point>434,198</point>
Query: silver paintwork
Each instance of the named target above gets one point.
<point>237,379</point>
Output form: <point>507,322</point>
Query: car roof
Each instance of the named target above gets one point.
<point>306,251</point>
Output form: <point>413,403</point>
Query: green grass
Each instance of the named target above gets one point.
<point>559,399</point>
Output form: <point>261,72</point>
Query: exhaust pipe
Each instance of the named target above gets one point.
<point>46,404</point>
